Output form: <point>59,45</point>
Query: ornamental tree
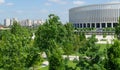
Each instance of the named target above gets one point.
<point>16,50</point>
<point>117,29</point>
<point>50,33</point>
<point>113,56</point>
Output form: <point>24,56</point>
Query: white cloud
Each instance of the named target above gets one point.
<point>58,1</point>
<point>2,1</point>
<point>48,4</point>
<point>78,2</point>
<point>114,1</point>
<point>10,4</point>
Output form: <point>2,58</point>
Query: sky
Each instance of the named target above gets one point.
<point>40,9</point>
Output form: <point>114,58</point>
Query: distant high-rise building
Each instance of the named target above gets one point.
<point>38,22</point>
<point>26,22</point>
<point>12,20</point>
<point>7,22</point>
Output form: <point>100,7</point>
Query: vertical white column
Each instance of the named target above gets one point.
<point>100,25</point>
<point>95,25</point>
<point>82,25</point>
<point>105,25</point>
<point>112,25</point>
<point>86,25</point>
<point>90,25</point>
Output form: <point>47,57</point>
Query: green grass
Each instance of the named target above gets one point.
<point>70,64</point>
<point>44,68</point>
<point>103,46</point>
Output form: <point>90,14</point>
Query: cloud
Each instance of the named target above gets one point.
<point>58,1</point>
<point>2,1</point>
<point>10,4</point>
<point>78,2</point>
<point>114,1</point>
<point>48,4</point>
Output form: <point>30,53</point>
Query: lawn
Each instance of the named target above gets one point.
<point>103,46</point>
<point>44,68</point>
<point>70,63</point>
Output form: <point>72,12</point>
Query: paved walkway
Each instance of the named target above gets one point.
<point>46,63</point>
<point>108,38</point>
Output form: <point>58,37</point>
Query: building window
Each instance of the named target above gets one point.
<point>108,24</point>
<point>93,25</point>
<point>103,25</point>
<point>77,25</point>
<point>84,25</point>
<point>115,24</point>
<point>81,25</point>
<point>98,25</point>
<point>88,25</point>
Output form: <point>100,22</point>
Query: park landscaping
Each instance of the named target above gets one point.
<point>19,51</point>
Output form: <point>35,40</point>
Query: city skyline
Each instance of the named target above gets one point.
<point>40,9</point>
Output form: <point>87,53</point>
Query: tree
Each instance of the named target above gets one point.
<point>16,51</point>
<point>113,56</point>
<point>12,53</point>
<point>69,39</point>
<point>56,61</point>
<point>117,29</point>
<point>90,58</point>
<point>50,33</point>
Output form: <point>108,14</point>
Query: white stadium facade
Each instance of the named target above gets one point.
<point>95,16</point>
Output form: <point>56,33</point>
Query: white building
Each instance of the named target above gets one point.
<point>37,22</point>
<point>13,19</point>
<point>26,22</point>
<point>95,16</point>
<point>7,22</point>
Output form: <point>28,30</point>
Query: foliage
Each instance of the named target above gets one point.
<point>104,35</point>
<point>113,57</point>
<point>49,35</point>
<point>68,41</point>
<point>51,30</point>
<point>56,60</point>
<point>117,29</point>
<point>16,51</point>
<point>90,58</point>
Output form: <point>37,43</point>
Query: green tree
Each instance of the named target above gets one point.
<point>90,58</point>
<point>16,51</point>
<point>113,56</point>
<point>69,39</point>
<point>117,29</point>
<point>12,56</point>
<point>50,33</point>
<point>56,61</point>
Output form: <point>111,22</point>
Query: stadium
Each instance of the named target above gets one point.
<point>95,16</point>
